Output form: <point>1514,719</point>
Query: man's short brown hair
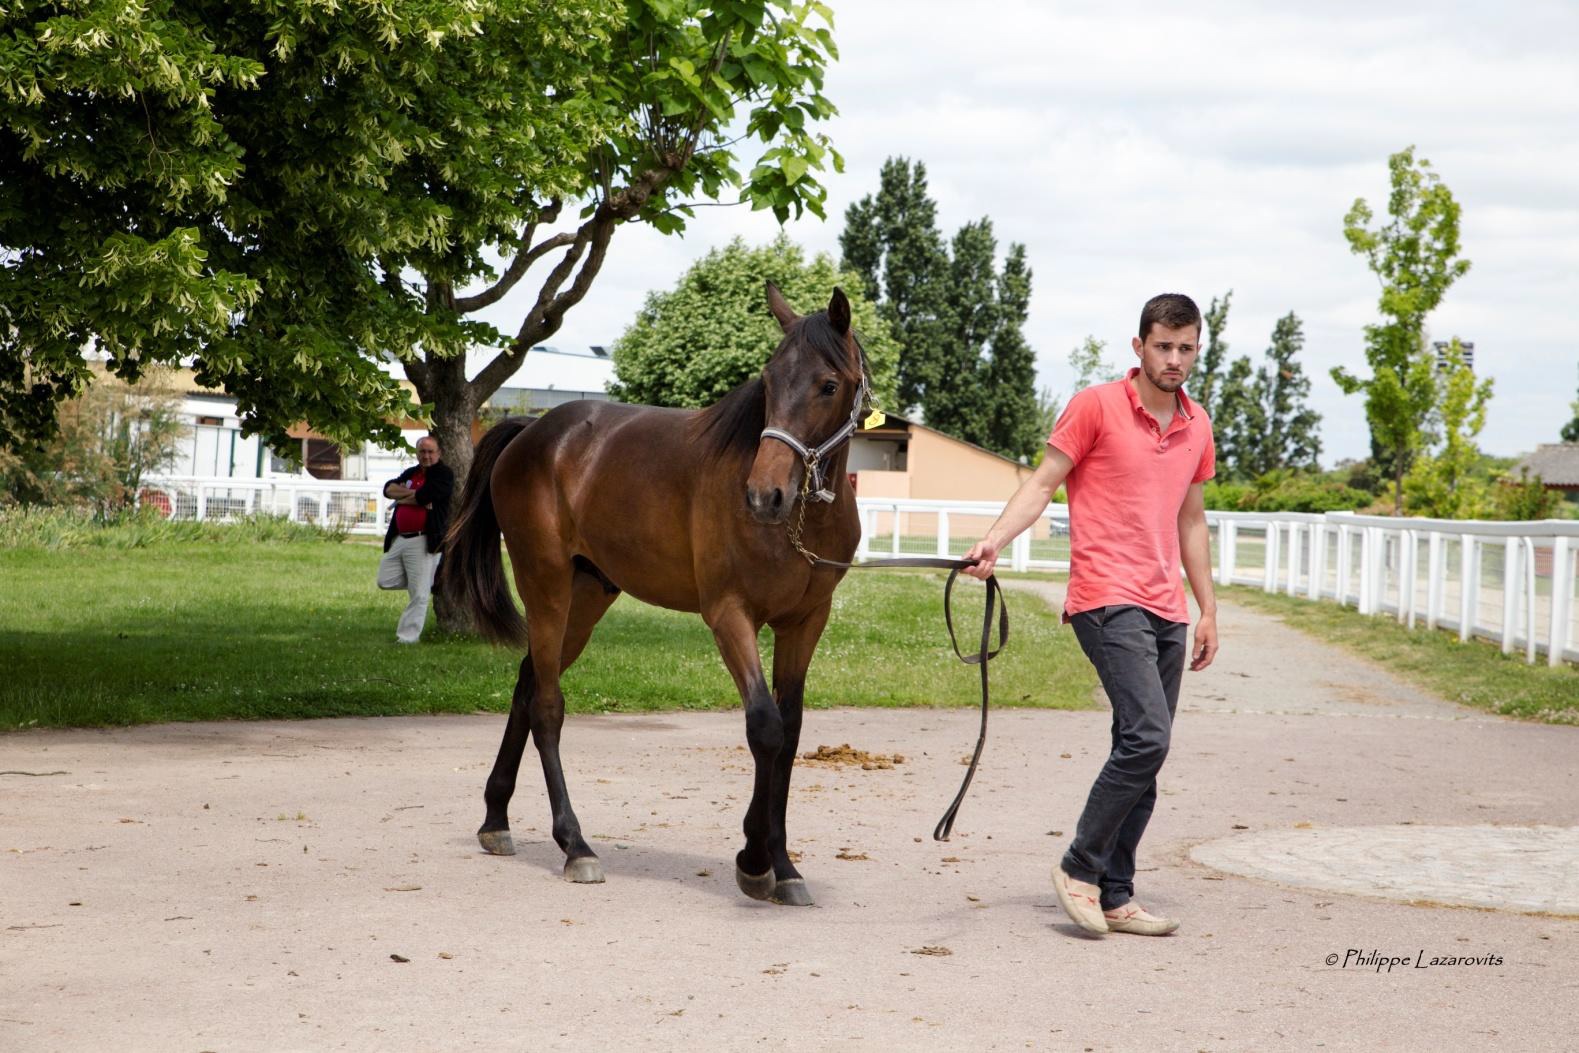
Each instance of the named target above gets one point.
<point>1174,310</point>
<point>435,439</point>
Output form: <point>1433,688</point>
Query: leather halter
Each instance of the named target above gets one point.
<point>814,456</point>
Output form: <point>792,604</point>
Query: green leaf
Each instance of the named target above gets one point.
<point>794,168</point>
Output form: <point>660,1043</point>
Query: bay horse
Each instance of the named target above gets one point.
<point>685,509</point>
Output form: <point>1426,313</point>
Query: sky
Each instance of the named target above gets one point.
<point>1153,149</point>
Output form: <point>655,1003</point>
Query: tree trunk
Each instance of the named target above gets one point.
<point>455,406</point>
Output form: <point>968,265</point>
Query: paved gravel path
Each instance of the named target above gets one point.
<point>255,886</point>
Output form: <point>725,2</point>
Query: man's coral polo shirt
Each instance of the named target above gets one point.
<point>1125,491</point>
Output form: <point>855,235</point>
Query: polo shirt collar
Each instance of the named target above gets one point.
<point>1186,407</point>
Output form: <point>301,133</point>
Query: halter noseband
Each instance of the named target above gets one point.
<point>813,456</point>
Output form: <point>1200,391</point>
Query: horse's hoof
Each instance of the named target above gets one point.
<point>757,886</point>
<point>587,870</point>
<point>496,842</point>
<point>792,892</point>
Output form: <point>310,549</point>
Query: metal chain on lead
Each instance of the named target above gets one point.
<point>794,531</point>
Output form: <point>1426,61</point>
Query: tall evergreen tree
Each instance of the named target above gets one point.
<point>861,246</point>
<point>1208,371</point>
<point>1014,428</point>
<point>1241,422</point>
<point>1290,439</point>
<point>964,362</point>
<point>893,241</point>
<point>960,400</point>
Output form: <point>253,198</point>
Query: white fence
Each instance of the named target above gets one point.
<point>358,507</point>
<point>1511,583</point>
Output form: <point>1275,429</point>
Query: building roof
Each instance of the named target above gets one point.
<point>564,369</point>
<point>1557,463</point>
<point>896,426</point>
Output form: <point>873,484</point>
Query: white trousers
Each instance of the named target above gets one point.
<point>409,565</point>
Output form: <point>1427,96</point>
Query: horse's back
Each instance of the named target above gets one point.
<point>577,444</point>
<point>609,482</point>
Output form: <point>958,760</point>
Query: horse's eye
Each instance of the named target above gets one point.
<point>830,386</point>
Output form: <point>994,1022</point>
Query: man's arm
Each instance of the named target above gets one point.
<point>1023,509</point>
<point>396,488</point>
<point>437,488</point>
<point>1195,550</point>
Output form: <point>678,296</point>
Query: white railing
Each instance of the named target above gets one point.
<point>1511,583</point>
<point>355,506</point>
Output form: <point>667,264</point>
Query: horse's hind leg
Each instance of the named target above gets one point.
<point>591,596</point>
<point>494,834</point>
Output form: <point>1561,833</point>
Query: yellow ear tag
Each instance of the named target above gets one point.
<point>874,419</point>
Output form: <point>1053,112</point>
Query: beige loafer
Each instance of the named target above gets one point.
<point>1080,900</point>
<point>1134,918</point>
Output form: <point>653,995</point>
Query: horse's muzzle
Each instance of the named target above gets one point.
<point>768,505</point>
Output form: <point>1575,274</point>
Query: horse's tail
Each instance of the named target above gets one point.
<point>472,572</point>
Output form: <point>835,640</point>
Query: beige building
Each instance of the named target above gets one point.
<point>903,459</point>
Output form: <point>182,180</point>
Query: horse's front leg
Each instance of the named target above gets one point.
<point>793,646</point>
<point>736,636</point>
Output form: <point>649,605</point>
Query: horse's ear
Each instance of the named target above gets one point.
<point>781,308</point>
<point>839,311</point>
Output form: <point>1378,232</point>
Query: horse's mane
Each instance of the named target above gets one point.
<point>733,424</point>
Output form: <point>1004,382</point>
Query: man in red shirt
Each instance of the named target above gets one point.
<point>416,534</point>
<point>1134,455</point>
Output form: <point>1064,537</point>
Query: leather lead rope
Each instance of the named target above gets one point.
<point>995,604</point>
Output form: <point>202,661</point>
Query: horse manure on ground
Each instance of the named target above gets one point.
<point>845,755</point>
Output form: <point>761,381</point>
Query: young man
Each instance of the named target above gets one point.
<point>1134,454</point>
<point>416,533</point>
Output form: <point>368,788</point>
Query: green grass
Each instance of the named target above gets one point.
<point>1474,673</point>
<point>103,633</point>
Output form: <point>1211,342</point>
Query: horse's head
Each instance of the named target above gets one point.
<point>813,387</point>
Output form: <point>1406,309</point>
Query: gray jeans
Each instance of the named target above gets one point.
<point>409,565</point>
<point>1140,659</point>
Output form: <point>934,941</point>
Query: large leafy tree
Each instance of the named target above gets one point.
<point>287,192</point>
<point>1415,257</point>
<point>691,344</point>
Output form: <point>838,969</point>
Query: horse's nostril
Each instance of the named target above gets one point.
<point>778,499</point>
